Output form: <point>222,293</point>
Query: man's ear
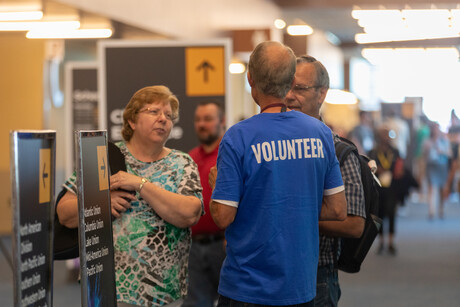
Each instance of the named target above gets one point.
<point>250,81</point>
<point>323,93</point>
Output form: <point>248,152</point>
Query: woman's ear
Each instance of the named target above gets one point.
<point>132,124</point>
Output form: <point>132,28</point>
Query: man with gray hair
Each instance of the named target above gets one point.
<point>308,92</point>
<point>277,175</point>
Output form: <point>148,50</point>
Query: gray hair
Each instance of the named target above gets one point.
<point>322,76</point>
<point>272,72</point>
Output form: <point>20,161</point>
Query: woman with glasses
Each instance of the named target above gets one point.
<point>154,204</point>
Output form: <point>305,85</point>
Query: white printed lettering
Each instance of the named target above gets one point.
<point>257,152</point>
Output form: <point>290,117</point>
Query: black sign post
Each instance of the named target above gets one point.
<point>33,156</point>
<point>95,224</point>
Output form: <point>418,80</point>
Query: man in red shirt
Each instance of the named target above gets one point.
<point>207,252</point>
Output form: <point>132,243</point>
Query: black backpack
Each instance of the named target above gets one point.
<point>66,239</point>
<point>353,251</point>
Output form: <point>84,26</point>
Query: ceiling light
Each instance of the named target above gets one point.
<point>366,38</point>
<point>335,96</point>
<point>29,15</point>
<point>280,24</point>
<point>236,68</point>
<point>377,56</point>
<point>65,33</point>
<point>405,25</point>
<point>299,30</point>
<point>38,25</point>
<point>370,14</point>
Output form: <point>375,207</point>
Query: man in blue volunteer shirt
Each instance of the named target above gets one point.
<point>277,175</point>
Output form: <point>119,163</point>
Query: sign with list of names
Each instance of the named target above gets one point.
<point>33,155</point>
<point>95,224</point>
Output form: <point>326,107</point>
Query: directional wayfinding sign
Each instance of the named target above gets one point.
<point>194,71</point>
<point>95,224</point>
<point>80,105</point>
<point>33,155</point>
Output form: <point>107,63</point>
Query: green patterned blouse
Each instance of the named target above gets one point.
<point>151,255</point>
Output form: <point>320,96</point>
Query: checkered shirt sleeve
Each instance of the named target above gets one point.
<point>351,174</point>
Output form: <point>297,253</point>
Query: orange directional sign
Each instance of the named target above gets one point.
<point>205,71</point>
<point>44,176</point>
<point>102,168</point>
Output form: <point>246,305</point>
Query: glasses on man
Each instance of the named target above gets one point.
<point>154,112</point>
<point>299,88</point>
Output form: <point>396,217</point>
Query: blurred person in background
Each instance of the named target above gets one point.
<point>399,132</point>
<point>363,134</point>
<point>422,135</point>
<point>208,250</point>
<point>389,167</point>
<point>453,179</point>
<point>151,229</point>
<point>437,152</point>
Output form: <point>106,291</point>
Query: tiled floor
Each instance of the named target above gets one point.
<point>425,271</point>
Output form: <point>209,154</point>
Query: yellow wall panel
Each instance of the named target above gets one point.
<point>21,103</point>
<point>21,93</point>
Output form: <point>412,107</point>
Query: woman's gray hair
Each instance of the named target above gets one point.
<point>272,73</point>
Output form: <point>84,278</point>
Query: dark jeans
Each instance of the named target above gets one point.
<point>205,261</point>
<point>228,302</point>
<point>327,287</point>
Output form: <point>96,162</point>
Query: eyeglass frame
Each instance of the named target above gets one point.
<point>304,88</point>
<point>149,110</point>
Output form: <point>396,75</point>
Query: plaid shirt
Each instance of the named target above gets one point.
<point>351,175</point>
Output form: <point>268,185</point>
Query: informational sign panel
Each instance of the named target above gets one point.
<point>81,108</point>
<point>193,71</point>
<point>33,156</point>
<point>95,224</point>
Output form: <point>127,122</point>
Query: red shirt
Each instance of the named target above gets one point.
<point>205,161</point>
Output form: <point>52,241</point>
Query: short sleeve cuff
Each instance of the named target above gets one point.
<point>334,190</point>
<point>227,202</point>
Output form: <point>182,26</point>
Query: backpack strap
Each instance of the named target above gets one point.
<point>342,149</point>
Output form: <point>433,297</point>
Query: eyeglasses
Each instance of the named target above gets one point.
<point>303,88</point>
<point>156,112</point>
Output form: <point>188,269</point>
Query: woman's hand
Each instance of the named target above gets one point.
<point>120,201</point>
<point>125,181</point>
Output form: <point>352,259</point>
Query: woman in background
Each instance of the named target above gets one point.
<point>437,152</point>
<point>389,168</point>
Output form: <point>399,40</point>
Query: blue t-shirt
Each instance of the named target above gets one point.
<point>275,168</point>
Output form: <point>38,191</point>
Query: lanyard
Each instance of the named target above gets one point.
<point>384,161</point>
<point>272,105</point>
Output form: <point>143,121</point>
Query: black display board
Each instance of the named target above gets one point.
<point>193,71</point>
<point>81,109</point>
<point>33,156</point>
<point>95,224</point>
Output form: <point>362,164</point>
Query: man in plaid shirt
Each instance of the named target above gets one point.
<point>308,92</point>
